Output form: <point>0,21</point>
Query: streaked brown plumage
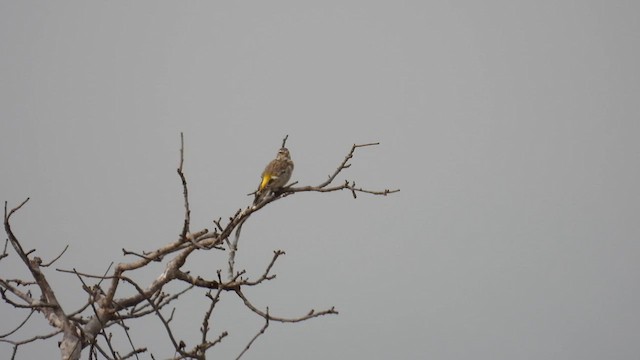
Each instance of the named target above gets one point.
<point>276,174</point>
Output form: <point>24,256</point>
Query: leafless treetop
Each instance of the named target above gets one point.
<point>90,326</point>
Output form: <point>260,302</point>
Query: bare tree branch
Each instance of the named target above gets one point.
<point>17,344</point>
<point>19,326</point>
<point>164,321</point>
<point>95,312</point>
<point>70,346</point>
<point>82,327</point>
<point>31,303</point>
<point>134,352</point>
<point>185,235</point>
<point>4,252</point>
<point>265,275</point>
<point>56,258</point>
<point>324,186</point>
<point>187,212</point>
<point>262,330</point>
<point>344,164</point>
<point>214,300</point>
<point>311,314</point>
<point>200,350</point>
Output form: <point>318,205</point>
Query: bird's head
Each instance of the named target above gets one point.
<point>283,154</point>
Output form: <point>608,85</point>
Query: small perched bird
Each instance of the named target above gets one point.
<point>275,175</point>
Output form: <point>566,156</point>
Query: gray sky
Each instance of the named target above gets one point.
<point>511,127</point>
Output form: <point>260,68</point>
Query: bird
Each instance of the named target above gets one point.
<point>275,175</point>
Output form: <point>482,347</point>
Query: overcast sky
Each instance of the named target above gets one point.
<point>512,128</point>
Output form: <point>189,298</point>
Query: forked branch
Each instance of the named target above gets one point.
<point>107,309</point>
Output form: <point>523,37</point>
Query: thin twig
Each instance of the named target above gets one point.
<point>8,216</point>
<point>344,164</point>
<point>19,326</point>
<point>265,275</point>
<point>311,314</point>
<point>101,277</point>
<point>185,191</point>
<point>97,315</point>
<point>32,339</point>
<point>204,344</point>
<point>157,311</point>
<point>185,235</point>
<point>345,186</point>
<point>26,297</point>
<point>4,252</point>
<point>262,330</point>
<point>207,315</point>
<point>126,252</point>
<point>134,351</point>
<point>56,258</point>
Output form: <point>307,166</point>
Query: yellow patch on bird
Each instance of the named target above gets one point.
<point>265,181</point>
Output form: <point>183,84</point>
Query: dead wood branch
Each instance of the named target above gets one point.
<point>87,325</point>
